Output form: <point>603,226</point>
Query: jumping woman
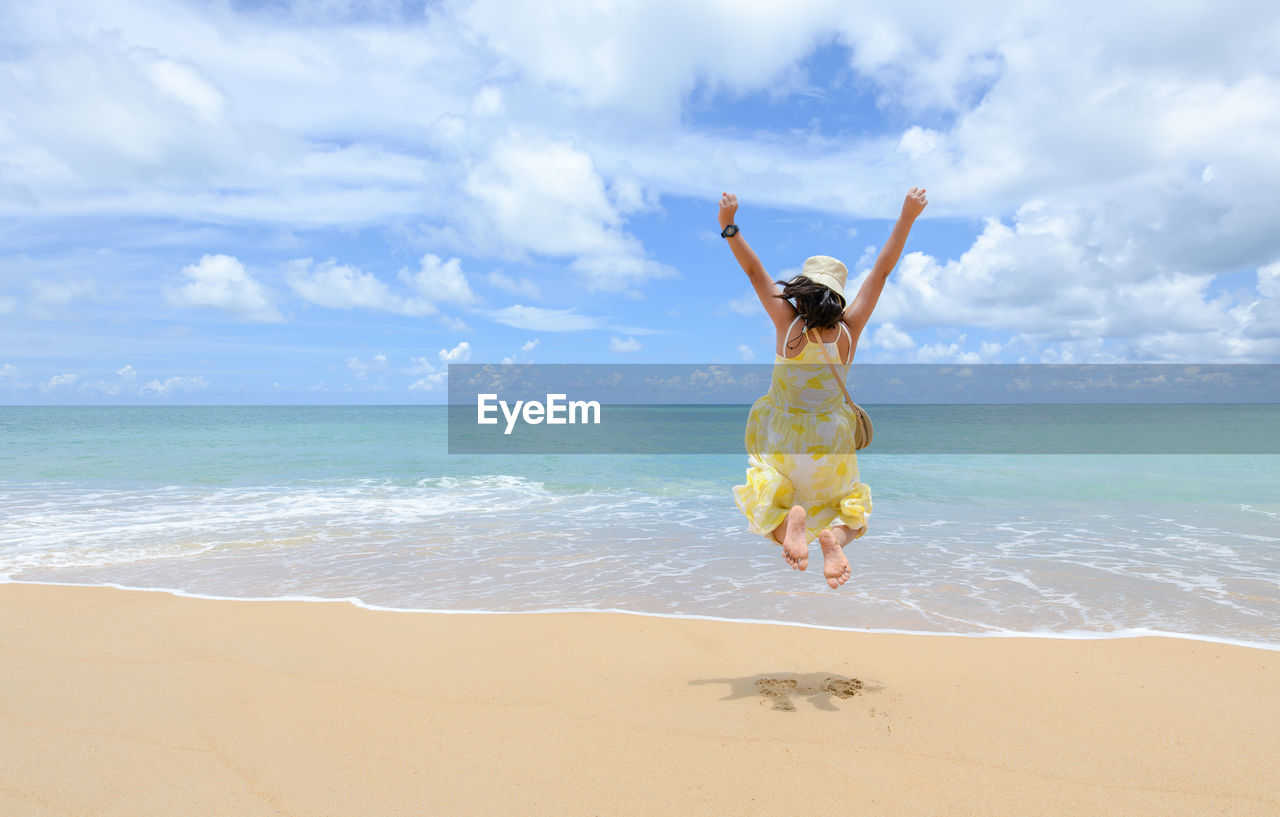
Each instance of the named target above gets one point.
<point>802,475</point>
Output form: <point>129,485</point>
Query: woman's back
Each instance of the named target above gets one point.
<point>838,339</point>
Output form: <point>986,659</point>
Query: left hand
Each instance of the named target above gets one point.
<point>728,209</point>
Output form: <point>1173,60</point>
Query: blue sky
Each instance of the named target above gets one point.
<point>316,202</point>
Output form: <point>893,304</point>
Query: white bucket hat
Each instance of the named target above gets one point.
<point>825,270</point>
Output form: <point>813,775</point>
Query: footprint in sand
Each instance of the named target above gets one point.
<point>780,690</point>
<point>843,688</point>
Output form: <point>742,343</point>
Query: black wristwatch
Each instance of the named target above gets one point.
<point>729,231</point>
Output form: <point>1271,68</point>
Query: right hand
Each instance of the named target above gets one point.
<point>728,209</point>
<point>914,204</point>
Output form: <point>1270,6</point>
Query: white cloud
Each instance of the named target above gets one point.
<point>746,352</point>
<point>458,354</point>
<point>518,286</point>
<point>362,368</point>
<point>522,355</point>
<point>1269,280</point>
<point>166,108</point>
<point>917,142</point>
<point>623,345</point>
<point>547,198</point>
<point>455,324</point>
<point>544,320</point>
<point>59,381</point>
<point>8,371</point>
<point>488,101</point>
<point>176,385</point>
<point>1061,277</point>
<point>1153,167</point>
<point>947,353</point>
<point>604,54</point>
<point>221,282</point>
<point>342,286</point>
<point>127,384</point>
<point>185,83</point>
<point>439,280</point>
<point>891,338</point>
<point>419,365</point>
<point>429,383</point>
<point>60,293</point>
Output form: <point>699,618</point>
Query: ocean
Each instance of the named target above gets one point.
<point>366,504</point>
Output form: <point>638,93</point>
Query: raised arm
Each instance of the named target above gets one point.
<point>859,310</point>
<point>779,309</point>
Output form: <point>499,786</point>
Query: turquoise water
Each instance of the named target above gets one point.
<point>366,503</point>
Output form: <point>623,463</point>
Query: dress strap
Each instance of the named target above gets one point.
<point>786,338</point>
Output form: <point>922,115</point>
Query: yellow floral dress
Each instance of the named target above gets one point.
<point>800,449</point>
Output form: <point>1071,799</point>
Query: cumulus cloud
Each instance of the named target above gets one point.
<point>953,352</point>
<point>362,368</point>
<point>458,354</point>
<point>342,286</point>
<point>547,198</point>
<point>604,54</point>
<point>1059,276</point>
<point>418,365</point>
<point>429,383</point>
<point>1114,180</point>
<point>175,385</point>
<point>889,337</point>
<point>8,371</point>
<point>623,345</point>
<point>746,352</point>
<point>126,385</point>
<point>59,381</point>
<point>522,354</point>
<point>439,280</point>
<point>1269,280</point>
<point>221,282</point>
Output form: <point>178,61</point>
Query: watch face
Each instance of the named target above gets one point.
<point>730,231</point>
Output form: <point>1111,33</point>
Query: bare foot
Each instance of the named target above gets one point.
<point>794,547</point>
<point>834,565</point>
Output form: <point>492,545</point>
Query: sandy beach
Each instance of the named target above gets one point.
<point>143,703</point>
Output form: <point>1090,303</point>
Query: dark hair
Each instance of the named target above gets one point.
<point>818,304</point>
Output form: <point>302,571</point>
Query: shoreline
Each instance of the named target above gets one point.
<point>355,602</point>
<point>139,703</point>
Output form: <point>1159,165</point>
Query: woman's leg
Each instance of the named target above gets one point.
<point>791,535</point>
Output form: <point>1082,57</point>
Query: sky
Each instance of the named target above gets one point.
<point>329,202</point>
